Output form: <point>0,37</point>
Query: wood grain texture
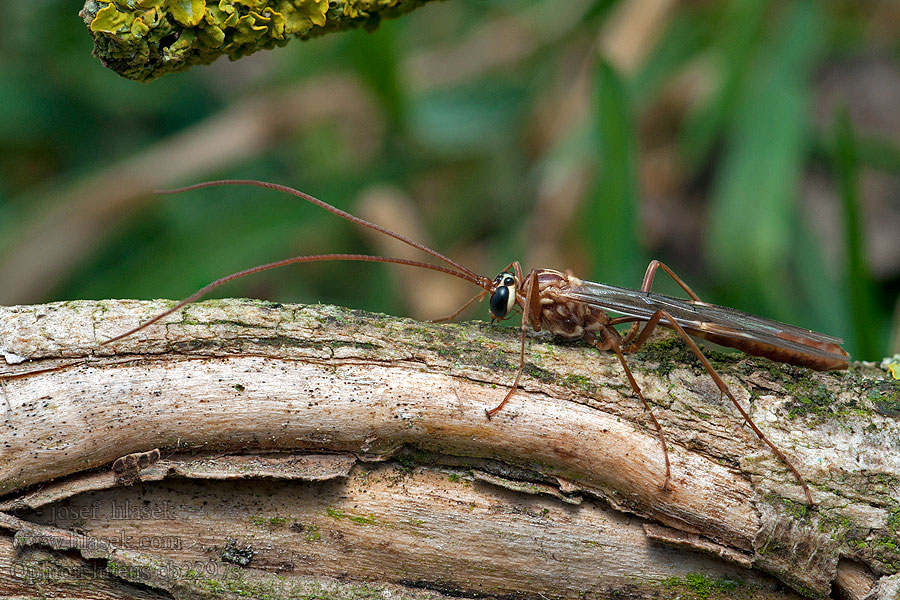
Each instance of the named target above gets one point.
<point>558,495</point>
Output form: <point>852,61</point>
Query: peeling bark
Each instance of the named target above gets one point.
<point>304,447</point>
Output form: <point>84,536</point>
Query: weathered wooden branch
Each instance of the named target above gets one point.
<point>312,449</point>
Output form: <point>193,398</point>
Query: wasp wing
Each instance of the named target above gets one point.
<point>725,326</point>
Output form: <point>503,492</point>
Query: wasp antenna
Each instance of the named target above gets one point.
<point>290,261</point>
<point>334,210</point>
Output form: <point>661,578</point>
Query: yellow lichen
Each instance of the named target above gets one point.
<point>188,12</point>
<point>142,39</point>
<point>110,20</point>
<point>314,10</point>
<point>139,28</point>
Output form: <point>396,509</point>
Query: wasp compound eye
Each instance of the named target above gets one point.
<point>503,298</point>
<point>500,302</point>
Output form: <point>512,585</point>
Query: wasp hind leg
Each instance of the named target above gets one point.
<point>610,339</point>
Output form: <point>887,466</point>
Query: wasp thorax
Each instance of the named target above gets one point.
<point>503,298</point>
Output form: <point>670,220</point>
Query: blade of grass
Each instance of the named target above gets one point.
<point>374,57</point>
<point>681,41</point>
<point>737,36</point>
<point>826,303</point>
<point>872,152</point>
<point>752,213</point>
<point>610,224</point>
<point>863,309</point>
<point>878,153</point>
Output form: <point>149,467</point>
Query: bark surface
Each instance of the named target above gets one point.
<point>250,448</point>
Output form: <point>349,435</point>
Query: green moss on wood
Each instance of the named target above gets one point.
<point>144,39</point>
<point>668,353</point>
<point>697,586</point>
<point>885,395</point>
<point>337,514</point>
<point>269,522</point>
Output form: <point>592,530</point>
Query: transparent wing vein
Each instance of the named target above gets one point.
<point>701,317</point>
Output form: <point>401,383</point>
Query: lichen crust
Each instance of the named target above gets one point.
<point>144,39</point>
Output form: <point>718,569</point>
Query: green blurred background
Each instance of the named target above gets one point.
<point>753,146</point>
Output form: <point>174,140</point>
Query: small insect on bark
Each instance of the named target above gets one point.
<point>575,309</point>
